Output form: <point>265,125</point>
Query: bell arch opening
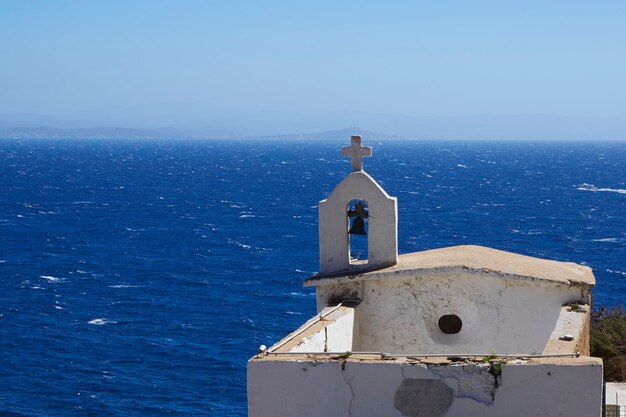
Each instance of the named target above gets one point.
<point>357,212</point>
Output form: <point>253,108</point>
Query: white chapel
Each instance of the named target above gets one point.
<point>460,331</point>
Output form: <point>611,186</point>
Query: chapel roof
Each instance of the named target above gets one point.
<point>472,258</point>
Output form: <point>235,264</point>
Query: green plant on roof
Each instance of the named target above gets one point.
<point>575,306</point>
<point>345,355</point>
<point>490,358</point>
<point>495,369</point>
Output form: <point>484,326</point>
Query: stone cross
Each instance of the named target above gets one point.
<point>357,153</point>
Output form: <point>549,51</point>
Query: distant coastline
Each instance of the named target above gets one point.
<point>44,132</point>
<point>429,133</point>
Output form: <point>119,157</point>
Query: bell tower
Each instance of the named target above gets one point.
<point>373,206</point>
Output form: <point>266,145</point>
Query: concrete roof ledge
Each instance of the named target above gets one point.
<point>574,320</point>
<point>478,259</point>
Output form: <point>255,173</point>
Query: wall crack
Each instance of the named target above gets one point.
<point>348,382</point>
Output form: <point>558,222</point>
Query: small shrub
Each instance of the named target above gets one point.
<point>345,355</point>
<point>608,341</point>
<point>490,358</point>
<point>575,306</point>
<point>495,369</point>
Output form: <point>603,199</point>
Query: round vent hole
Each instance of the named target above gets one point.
<point>450,324</point>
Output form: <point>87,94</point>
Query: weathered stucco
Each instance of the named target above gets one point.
<point>400,313</point>
<point>334,332</point>
<point>508,303</point>
<point>309,388</point>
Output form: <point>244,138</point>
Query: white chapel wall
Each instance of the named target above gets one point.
<point>571,388</point>
<point>399,314</point>
<point>333,334</point>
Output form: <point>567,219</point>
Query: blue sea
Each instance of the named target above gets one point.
<point>139,276</point>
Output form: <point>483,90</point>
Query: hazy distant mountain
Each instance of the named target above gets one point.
<point>340,134</point>
<point>273,125</point>
<point>169,133</point>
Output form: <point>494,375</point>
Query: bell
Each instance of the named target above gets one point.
<point>358,227</point>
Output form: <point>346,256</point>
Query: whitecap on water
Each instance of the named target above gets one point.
<point>299,294</point>
<point>123,286</point>
<point>101,321</point>
<point>608,240</point>
<point>50,278</point>
<point>248,247</point>
<point>593,188</point>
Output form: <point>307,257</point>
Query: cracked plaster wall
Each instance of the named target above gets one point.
<point>282,388</point>
<point>399,314</point>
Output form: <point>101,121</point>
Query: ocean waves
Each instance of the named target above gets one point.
<point>594,189</point>
<point>143,275</point>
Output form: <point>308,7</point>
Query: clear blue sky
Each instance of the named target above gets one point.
<point>204,64</point>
